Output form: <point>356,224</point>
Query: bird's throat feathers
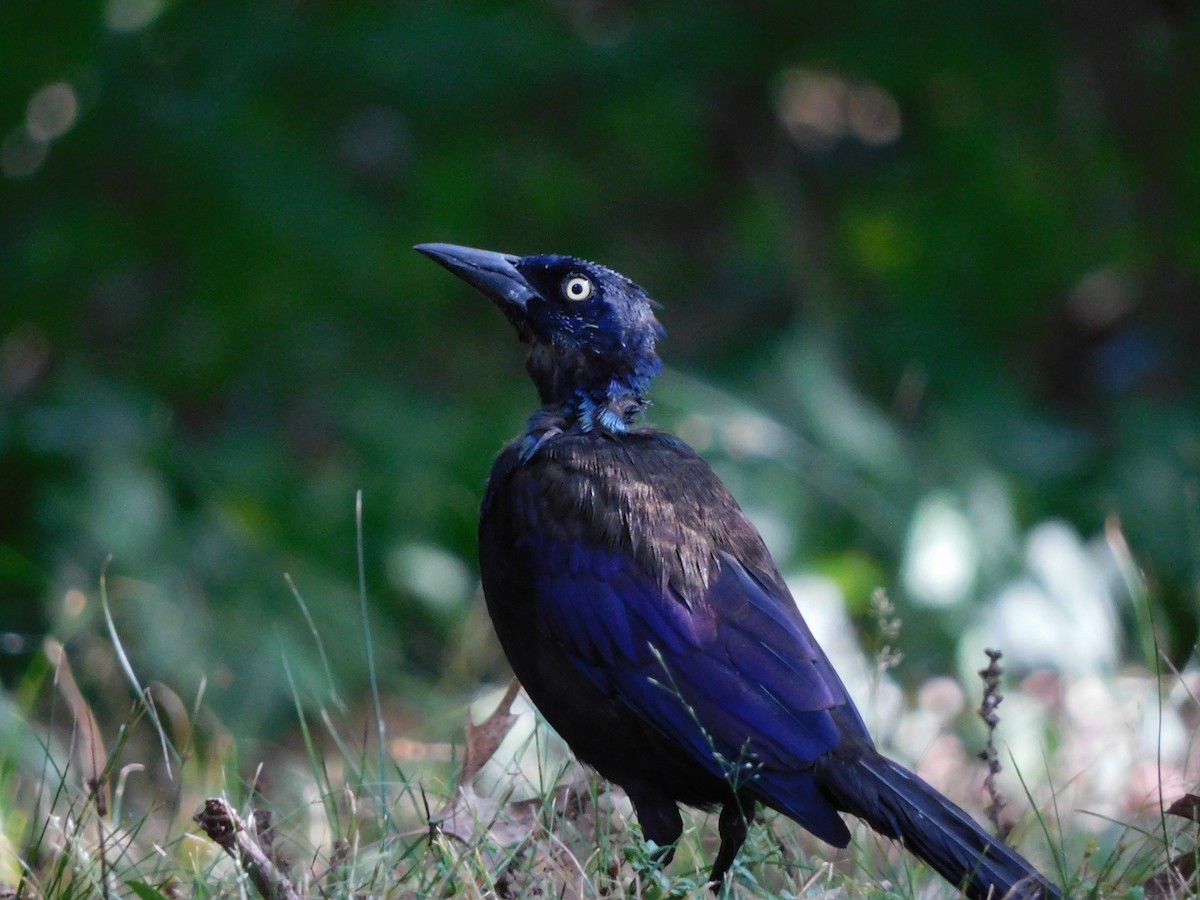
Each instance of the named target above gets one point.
<point>584,395</point>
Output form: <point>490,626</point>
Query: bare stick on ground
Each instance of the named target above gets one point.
<point>221,823</point>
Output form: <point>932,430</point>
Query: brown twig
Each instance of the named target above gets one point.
<point>221,823</point>
<point>992,698</point>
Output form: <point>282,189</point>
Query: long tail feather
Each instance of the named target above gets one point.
<point>899,805</point>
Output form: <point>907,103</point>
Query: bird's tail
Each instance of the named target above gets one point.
<point>899,805</point>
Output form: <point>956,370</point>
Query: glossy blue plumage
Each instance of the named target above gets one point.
<point>644,616</point>
<point>728,675</point>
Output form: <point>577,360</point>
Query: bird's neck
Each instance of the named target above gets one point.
<point>611,409</point>
<point>581,394</point>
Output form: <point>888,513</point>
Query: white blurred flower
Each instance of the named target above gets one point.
<point>941,557</point>
<point>1061,613</point>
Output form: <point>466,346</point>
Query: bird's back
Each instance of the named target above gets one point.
<point>643,492</point>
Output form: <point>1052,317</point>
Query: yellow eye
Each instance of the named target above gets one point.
<point>577,288</point>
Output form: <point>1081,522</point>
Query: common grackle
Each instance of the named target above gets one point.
<point>644,616</point>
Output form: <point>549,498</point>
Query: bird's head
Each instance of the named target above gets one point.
<point>591,331</point>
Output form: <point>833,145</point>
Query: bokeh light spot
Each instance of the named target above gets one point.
<point>74,603</point>
<point>438,578</point>
<point>820,108</point>
<point>131,15</point>
<point>812,106</point>
<point>942,556</point>
<point>51,111</point>
<point>21,154</point>
<point>873,114</point>
<point>24,358</point>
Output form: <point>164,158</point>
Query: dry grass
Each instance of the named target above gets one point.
<point>1087,768</point>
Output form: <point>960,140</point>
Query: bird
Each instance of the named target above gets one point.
<point>644,616</point>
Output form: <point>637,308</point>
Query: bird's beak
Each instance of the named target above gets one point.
<point>493,274</point>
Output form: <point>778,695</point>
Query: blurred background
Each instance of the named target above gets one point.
<point>930,276</point>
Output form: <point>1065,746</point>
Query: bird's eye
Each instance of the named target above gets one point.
<point>577,288</point>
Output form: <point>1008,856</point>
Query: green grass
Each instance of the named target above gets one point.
<point>344,805</point>
<point>329,835</point>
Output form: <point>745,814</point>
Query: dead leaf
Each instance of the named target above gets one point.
<point>1178,879</point>
<point>514,830</point>
<point>1175,882</point>
<point>1186,807</point>
<point>484,739</point>
<point>176,713</point>
<point>87,742</point>
<point>468,814</point>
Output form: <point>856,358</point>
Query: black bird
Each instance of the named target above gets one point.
<point>644,616</point>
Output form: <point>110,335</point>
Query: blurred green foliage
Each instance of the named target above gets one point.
<point>925,247</point>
